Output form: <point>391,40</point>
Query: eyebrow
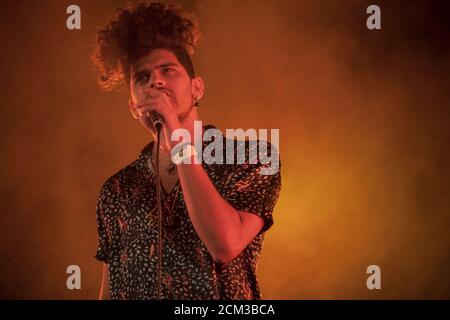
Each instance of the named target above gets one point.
<point>160,66</point>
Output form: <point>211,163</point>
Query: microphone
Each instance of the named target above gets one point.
<point>156,119</point>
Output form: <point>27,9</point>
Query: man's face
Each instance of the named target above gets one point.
<point>162,69</point>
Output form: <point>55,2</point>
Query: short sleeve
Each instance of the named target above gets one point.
<point>104,237</point>
<point>249,188</point>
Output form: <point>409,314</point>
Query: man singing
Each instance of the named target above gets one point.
<point>214,216</point>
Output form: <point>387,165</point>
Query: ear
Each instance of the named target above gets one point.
<point>133,110</point>
<point>198,88</point>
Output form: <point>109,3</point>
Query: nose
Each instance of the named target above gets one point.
<point>155,81</point>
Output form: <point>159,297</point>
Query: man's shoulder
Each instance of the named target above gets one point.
<point>243,155</point>
<point>251,151</point>
<point>250,145</point>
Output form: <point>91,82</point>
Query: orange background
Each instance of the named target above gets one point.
<point>364,141</point>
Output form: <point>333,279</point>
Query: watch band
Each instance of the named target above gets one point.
<point>185,151</point>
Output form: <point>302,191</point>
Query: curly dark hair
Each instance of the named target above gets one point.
<point>139,30</point>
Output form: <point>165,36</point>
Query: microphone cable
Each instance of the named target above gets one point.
<point>159,208</point>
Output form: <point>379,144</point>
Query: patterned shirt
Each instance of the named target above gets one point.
<point>127,224</point>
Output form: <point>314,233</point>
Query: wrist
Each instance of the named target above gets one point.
<point>184,154</point>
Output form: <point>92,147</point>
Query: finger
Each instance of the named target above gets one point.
<point>135,114</point>
<point>148,108</point>
<point>152,92</point>
<point>155,104</point>
<point>155,93</point>
<point>134,111</point>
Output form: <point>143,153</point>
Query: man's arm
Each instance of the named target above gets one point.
<point>104,290</point>
<point>224,230</point>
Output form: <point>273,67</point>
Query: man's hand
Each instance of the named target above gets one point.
<point>159,100</point>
